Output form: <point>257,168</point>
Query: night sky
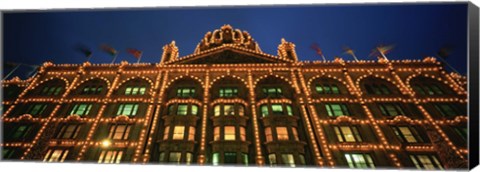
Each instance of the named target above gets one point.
<point>416,31</point>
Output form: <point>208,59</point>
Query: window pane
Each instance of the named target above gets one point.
<point>229,133</point>
<point>319,89</point>
<point>282,133</point>
<point>191,134</point>
<point>273,159</point>
<point>182,109</point>
<point>228,110</point>
<point>188,159</point>
<point>165,133</point>
<point>277,109</point>
<point>407,134</point>
<point>264,109</point>
<point>288,160</point>
<point>215,158</point>
<point>242,133</point>
<point>230,158</point>
<point>216,110</point>
<point>347,133</point>
<point>178,132</point>
<point>216,133</point>
<point>268,134</point>
<point>289,110</point>
<point>175,157</point>
<point>194,109</point>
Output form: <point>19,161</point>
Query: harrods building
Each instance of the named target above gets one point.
<point>229,103</point>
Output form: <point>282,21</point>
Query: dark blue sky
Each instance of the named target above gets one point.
<point>415,30</point>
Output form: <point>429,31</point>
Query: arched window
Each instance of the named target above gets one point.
<point>134,87</point>
<point>429,87</point>
<point>52,88</point>
<point>377,86</point>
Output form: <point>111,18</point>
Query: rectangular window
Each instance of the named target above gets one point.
<point>165,133</point>
<point>327,89</point>
<point>69,131</point>
<point>446,110</point>
<point>215,158</point>
<point>282,133</point>
<point>110,156</point>
<point>407,134</point>
<point>129,109</point>
<point>182,109</point>
<point>228,110</point>
<point>427,162</point>
<point>178,132</point>
<point>277,109</point>
<point>229,133</point>
<point>92,90</point>
<point>189,158</point>
<point>175,157</point>
<point>272,159</point>
<point>391,109</point>
<point>242,134</point>
<point>335,110</point>
<point>135,90</point>
<point>228,92</point>
<point>272,91</point>
<point>359,160</point>
<point>185,92</point>
<point>264,109</point>
<point>245,158</point>
<point>288,160</point>
<point>36,109</point>
<point>216,133</point>
<point>230,158</point>
<point>268,134</point>
<point>191,134</point>
<point>347,134</point>
<point>21,132</point>
<point>55,155</point>
<point>81,109</point>
<point>119,131</point>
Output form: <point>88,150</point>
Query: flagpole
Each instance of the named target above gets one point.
<point>13,70</point>
<point>88,58</point>
<point>444,61</point>
<point>323,57</point>
<point>355,57</point>
<point>114,58</point>
<point>138,61</point>
<point>381,53</point>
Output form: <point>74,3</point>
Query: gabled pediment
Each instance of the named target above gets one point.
<point>229,54</point>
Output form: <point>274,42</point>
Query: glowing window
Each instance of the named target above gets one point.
<point>55,155</point>
<point>110,156</point>
<point>358,160</point>
<point>119,132</point>
<point>427,162</point>
<point>282,133</point>
<point>229,133</point>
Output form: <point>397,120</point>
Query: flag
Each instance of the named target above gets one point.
<point>349,51</point>
<point>108,49</point>
<point>84,50</point>
<point>10,64</point>
<point>385,49</point>
<point>317,49</point>
<point>136,53</point>
<point>445,51</point>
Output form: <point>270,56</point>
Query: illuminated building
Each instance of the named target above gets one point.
<point>230,103</point>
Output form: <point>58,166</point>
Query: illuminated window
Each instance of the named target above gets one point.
<point>282,133</point>
<point>427,162</point>
<point>245,158</point>
<point>277,109</point>
<point>228,92</point>
<point>129,109</point>
<point>359,160</point>
<point>390,109</point>
<point>242,134</point>
<point>92,90</point>
<point>178,132</point>
<point>378,89</point>
<point>272,159</point>
<point>335,110</point>
<point>327,89</point>
<point>427,89</point>
<point>55,155</point>
<point>215,158</point>
<point>272,92</point>
<point>185,92</point>
<point>36,109</point>
<point>230,158</point>
<point>191,134</point>
<point>229,133</point>
<point>135,90</point>
<point>347,133</point>
<point>110,156</point>
<point>407,134</point>
<point>295,134</point>
<point>69,131</point>
<point>81,109</point>
<point>189,158</point>
<point>119,131</point>
<point>21,132</point>
<point>446,110</point>
<point>182,109</point>
<point>216,133</point>
<point>51,90</point>
<point>175,157</point>
<point>228,109</point>
<point>288,160</point>
<point>268,134</point>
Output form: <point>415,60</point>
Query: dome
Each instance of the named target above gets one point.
<point>227,35</point>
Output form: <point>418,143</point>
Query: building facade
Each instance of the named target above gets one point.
<point>229,103</point>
